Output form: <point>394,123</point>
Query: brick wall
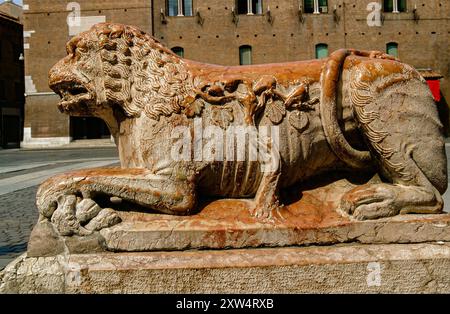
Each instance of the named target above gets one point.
<point>422,43</point>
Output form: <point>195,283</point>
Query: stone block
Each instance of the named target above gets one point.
<point>355,268</point>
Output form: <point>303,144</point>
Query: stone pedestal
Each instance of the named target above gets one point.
<point>223,249</point>
<point>314,219</point>
<point>357,268</point>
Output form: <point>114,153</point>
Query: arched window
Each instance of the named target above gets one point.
<point>179,7</point>
<point>392,49</point>
<point>245,55</point>
<point>394,6</point>
<point>249,6</point>
<point>321,51</point>
<point>179,51</point>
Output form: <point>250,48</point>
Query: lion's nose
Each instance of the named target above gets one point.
<point>59,73</point>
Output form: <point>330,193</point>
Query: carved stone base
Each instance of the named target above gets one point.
<point>407,268</point>
<point>311,220</point>
<point>236,229</point>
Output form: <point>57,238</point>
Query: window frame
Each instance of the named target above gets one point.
<point>390,45</point>
<point>180,8</point>
<point>250,49</point>
<point>316,7</point>
<point>179,48</point>
<point>316,50</point>
<point>250,7</point>
<point>395,6</point>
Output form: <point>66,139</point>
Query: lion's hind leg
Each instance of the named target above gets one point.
<point>373,201</point>
<point>403,131</point>
<point>410,192</point>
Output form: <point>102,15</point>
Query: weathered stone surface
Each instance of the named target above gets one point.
<point>86,210</point>
<point>311,220</point>
<point>64,216</point>
<point>395,268</point>
<point>88,244</point>
<point>107,217</point>
<point>354,111</point>
<point>34,275</point>
<point>162,233</point>
<point>45,240</point>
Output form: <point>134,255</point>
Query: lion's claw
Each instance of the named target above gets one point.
<point>87,209</point>
<point>268,212</point>
<point>106,218</point>
<point>82,218</point>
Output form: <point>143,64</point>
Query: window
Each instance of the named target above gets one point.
<point>179,7</point>
<point>249,6</point>
<point>392,49</point>
<point>315,6</point>
<point>179,51</point>
<point>394,6</point>
<point>245,55</point>
<point>321,51</point>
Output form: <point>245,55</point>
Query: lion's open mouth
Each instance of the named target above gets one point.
<point>74,98</point>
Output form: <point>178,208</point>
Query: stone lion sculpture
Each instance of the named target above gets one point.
<point>355,110</point>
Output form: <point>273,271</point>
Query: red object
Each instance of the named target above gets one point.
<point>435,87</point>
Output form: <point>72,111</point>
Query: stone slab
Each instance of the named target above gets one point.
<point>348,268</point>
<point>310,217</point>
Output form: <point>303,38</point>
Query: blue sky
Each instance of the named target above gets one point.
<point>15,1</point>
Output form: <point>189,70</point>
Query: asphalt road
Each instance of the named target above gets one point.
<point>21,171</point>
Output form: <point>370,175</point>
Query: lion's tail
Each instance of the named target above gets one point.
<point>328,111</point>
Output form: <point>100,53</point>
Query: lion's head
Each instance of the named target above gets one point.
<point>114,67</point>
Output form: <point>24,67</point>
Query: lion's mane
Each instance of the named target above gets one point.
<point>139,73</point>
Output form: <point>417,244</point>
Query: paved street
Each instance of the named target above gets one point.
<point>21,172</point>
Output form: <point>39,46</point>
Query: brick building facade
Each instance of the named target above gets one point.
<point>11,75</point>
<point>231,32</point>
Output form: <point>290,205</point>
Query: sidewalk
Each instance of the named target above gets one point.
<point>95,143</point>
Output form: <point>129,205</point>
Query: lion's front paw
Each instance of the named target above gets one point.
<point>371,201</point>
<point>74,217</point>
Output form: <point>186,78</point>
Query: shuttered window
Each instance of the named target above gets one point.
<point>179,7</point>
<point>249,6</point>
<point>392,49</point>
<point>172,7</point>
<point>401,5</point>
<point>245,55</point>
<point>315,6</point>
<point>308,6</point>
<point>394,6</point>
<point>321,51</point>
<point>179,51</point>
